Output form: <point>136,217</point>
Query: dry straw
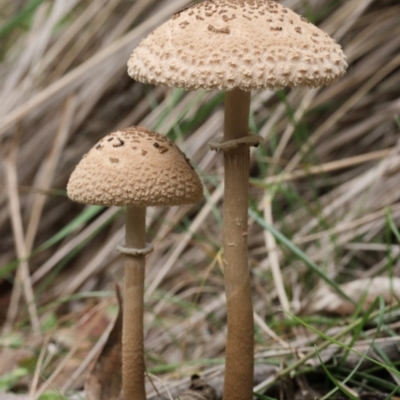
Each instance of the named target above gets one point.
<point>59,95</point>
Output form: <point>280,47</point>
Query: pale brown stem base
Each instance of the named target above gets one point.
<point>132,335</point>
<point>239,368</point>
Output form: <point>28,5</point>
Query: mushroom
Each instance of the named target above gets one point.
<point>136,168</point>
<point>237,46</point>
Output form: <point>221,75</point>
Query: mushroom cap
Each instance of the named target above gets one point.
<point>244,44</point>
<point>135,167</point>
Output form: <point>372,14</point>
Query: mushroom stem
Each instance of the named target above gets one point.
<point>132,335</point>
<point>239,367</point>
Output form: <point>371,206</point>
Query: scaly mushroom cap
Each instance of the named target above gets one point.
<point>134,167</point>
<point>245,44</point>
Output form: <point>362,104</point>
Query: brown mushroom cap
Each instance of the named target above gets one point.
<point>245,44</point>
<point>134,167</point>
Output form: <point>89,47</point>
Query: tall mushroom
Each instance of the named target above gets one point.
<point>136,168</point>
<point>237,46</point>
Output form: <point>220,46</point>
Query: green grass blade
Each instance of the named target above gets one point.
<point>343,345</point>
<point>364,319</point>
<point>12,23</point>
<point>300,254</point>
<point>87,214</point>
<point>392,225</point>
<point>77,223</point>
<point>338,384</point>
<point>262,397</point>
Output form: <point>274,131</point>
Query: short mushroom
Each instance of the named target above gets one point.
<point>237,46</point>
<point>136,168</point>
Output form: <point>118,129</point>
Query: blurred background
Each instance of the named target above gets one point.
<point>324,214</point>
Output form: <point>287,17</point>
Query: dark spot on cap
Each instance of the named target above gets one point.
<point>226,18</point>
<point>184,24</point>
<point>225,30</point>
<point>156,145</point>
<point>119,144</point>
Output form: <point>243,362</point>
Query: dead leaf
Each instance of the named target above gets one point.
<point>360,290</point>
<point>104,381</point>
<point>198,390</point>
<point>13,358</point>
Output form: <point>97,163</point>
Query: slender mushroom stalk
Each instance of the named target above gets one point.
<point>237,46</point>
<point>240,339</point>
<point>132,333</point>
<point>136,168</point>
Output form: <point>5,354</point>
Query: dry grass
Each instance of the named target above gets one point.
<point>327,178</point>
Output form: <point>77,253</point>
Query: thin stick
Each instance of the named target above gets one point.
<point>183,242</point>
<point>71,80</point>
<point>73,243</point>
<point>48,170</point>
<point>346,107</point>
<point>22,274</point>
<point>96,313</point>
<point>38,367</point>
<point>326,167</point>
<point>96,349</point>
<point>273,256</point>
